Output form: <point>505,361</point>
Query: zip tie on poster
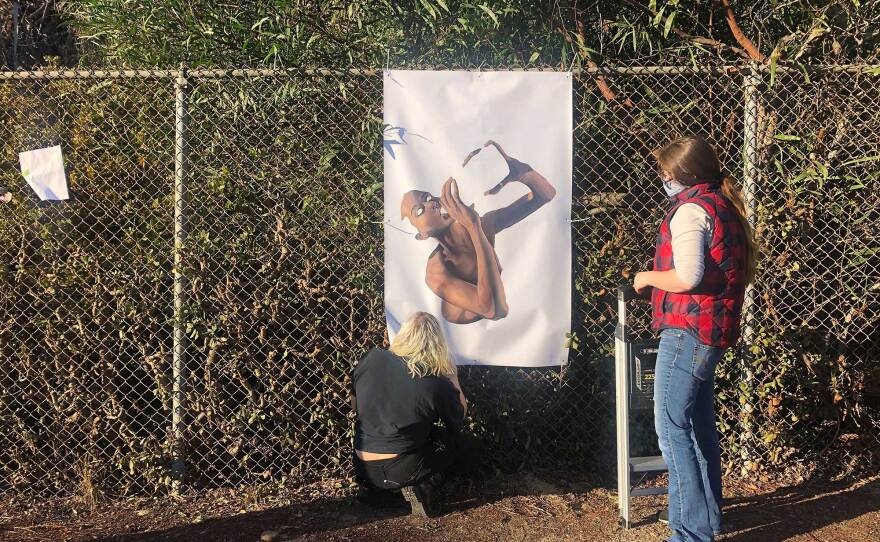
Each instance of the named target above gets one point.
<point>388,223</point>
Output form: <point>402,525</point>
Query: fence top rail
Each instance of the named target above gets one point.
<point>369,72</point>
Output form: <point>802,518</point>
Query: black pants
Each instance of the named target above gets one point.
<point>447,454</point>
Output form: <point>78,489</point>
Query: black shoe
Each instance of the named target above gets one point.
<point>421,499</point>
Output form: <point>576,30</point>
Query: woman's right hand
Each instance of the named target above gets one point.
<point>465,215</point>
<point>641,281</point>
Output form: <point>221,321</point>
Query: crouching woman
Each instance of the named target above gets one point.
<point>398,397</point>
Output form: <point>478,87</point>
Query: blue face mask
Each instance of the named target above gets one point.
<point>672,188</point>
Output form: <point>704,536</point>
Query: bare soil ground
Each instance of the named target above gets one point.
<point>522,507</point>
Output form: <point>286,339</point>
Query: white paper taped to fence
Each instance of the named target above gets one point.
<point>496,275</point>
<point>43,169</point>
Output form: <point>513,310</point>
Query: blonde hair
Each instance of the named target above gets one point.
<point>691,160</point>
<point>421,344</point>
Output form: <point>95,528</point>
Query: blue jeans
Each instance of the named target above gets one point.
<point>684,418</point>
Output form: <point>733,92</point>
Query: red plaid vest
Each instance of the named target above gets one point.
<point>711,311</point>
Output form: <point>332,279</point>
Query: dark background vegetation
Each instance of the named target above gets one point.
<point>284,259</point>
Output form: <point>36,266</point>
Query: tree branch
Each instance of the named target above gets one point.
<point>604,88</point>
<point>695,39</point>
<point>739,35</point>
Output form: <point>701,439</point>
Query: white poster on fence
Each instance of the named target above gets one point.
<point>43,169</point>
<point>477,210</point>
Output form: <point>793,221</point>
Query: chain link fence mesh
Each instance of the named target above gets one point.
<point>281,273</point>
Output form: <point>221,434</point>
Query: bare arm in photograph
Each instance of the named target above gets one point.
<point>540,193</point>
<point>464,301</point>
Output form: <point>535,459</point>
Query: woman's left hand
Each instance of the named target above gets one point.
<point>641,281</point>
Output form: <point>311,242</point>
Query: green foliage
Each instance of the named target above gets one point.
<point>492,32</point>
<point>85,287</point>
<point>284,256</point>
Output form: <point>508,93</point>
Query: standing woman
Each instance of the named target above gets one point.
<point>705,256</point>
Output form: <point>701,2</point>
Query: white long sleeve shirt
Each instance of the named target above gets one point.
<point>691,229</point>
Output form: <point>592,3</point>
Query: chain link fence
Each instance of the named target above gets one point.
<point>118,366</point>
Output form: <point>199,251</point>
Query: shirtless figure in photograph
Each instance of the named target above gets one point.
<point>464,270</point>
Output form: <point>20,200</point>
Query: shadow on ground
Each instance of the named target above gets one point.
<point>789,513</point>
<point>290,521</point>
<point>524,507</point>
<point>338,514</point>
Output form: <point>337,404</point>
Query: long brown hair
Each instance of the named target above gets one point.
<point>690,161</point>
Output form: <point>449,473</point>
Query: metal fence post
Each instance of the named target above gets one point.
<point>751,173</point>
<point>181,87</point>
<point>15,10</point>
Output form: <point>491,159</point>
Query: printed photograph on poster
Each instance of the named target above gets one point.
<point>477,206</point>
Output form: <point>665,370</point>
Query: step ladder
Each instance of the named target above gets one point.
<point>634,362</point>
